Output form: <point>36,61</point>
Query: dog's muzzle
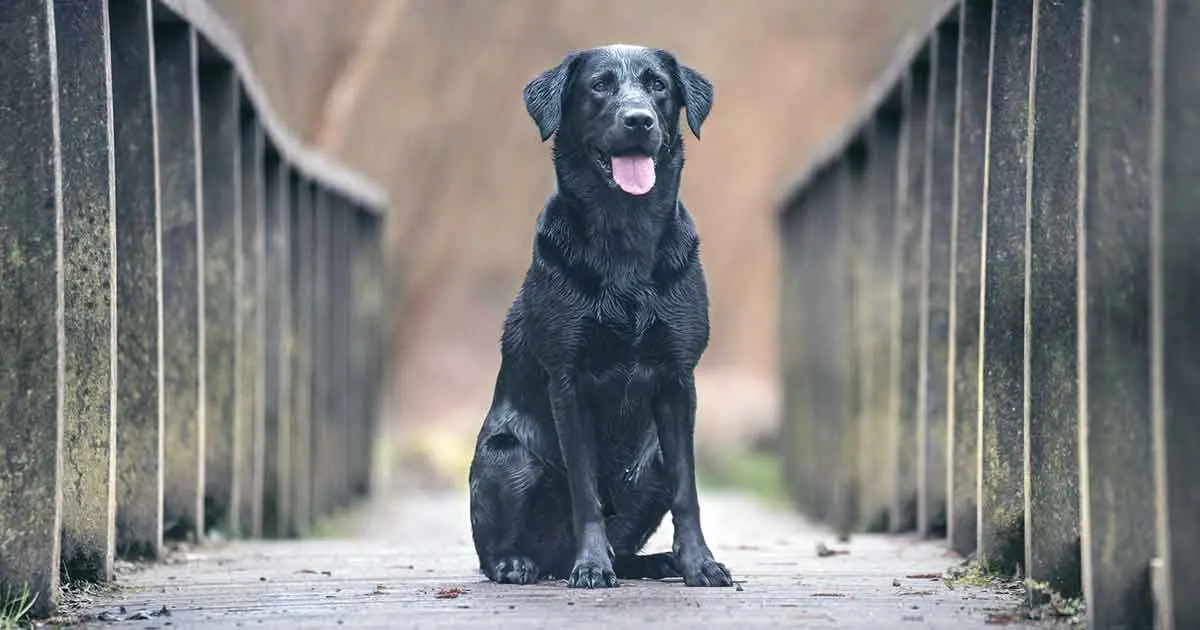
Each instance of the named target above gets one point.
<point>634,140</point>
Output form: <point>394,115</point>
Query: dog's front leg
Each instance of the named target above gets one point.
<point>577,440</point>
<point>676,420</point>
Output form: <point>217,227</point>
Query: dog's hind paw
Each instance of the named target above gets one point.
<point>515,570</point>
<point>709,573</point>
<point>588,574</point>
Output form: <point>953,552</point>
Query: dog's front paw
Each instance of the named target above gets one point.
<point>706,572</point>
<point>592,574</point>
<point>515,570</point>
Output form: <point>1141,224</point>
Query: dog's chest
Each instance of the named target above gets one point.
<point>626,312</point>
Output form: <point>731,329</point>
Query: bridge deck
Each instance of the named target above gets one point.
<point>408,556</point>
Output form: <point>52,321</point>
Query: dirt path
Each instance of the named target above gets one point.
<point>411,565</point>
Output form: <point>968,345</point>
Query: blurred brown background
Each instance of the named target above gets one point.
<point>425,97</point>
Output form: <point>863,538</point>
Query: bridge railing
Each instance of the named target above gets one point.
<point>989,302</point>
<point>190,300</point>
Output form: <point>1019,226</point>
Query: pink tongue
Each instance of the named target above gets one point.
<point>633,173</point>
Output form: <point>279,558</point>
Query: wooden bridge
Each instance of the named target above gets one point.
<point>989,369</point>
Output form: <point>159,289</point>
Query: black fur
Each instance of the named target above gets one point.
<point>588,442</point>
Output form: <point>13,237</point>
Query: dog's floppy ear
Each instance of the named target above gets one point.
<point>695,91</point>
<point>697,94</point>
<point>544,95</point>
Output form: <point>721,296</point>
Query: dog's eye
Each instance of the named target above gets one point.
<point>658,85</point>
<point>600,85</point>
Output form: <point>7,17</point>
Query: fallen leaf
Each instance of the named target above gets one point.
<point>999,619</point>
<point>824,552</point>
<point>924,576</point>
<point>449,593</point>
<point>828,594</point>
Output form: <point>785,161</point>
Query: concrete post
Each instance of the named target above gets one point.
<point>139,287</point>
<point>31,345</point>
<point>965,260</point>
<point>182,241</point>
<point>250,419</point>
<point>1178,344</point>
<point>1117,476</point>
<point>302,309</point>
<point>911,197</point>
<point>932,422</point>
<point>89,289</point>
<point>1002,522</point>
<point>1051,421</point>
<point>222,193</point>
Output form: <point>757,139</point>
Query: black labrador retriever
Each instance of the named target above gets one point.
<point>588,442</point>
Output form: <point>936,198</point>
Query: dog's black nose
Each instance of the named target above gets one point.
<point>638,120</point>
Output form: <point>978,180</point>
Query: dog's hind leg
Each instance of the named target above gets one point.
<point>654,566</point>
<point>503,475</point>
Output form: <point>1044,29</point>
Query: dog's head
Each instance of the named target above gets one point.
<point>619,106</point>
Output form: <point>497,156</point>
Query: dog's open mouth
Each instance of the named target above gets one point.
<point>632,172</point>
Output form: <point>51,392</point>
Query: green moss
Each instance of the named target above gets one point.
<point>758,473</point>
<point>972,574</point>
<point>1038,600</point>
<point>1045,602</point>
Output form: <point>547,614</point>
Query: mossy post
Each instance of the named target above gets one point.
<point>823,340</point>
<point>1178,433</point>
<point>322,453</point>
<point>31,416</point>
<point>1001,509</point>
<point>1052,421</point>
<point>89,290</point>
<point>276,448</point>
<point>935,281</point>
<point>182,279</point>
<point>360,364</point>
<point>302,371</point>
<point>222,194</point>
<point>846,331</point>
<point>974,47</point>
<point>369,287</point>
<point>1116,453</point>
<point>250,408</point>
<point>879,292</point>
<point>340,299</point>
<point>909,232</point>
<point>139,288</point>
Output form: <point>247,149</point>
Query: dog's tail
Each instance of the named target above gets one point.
<point>655,566</point>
